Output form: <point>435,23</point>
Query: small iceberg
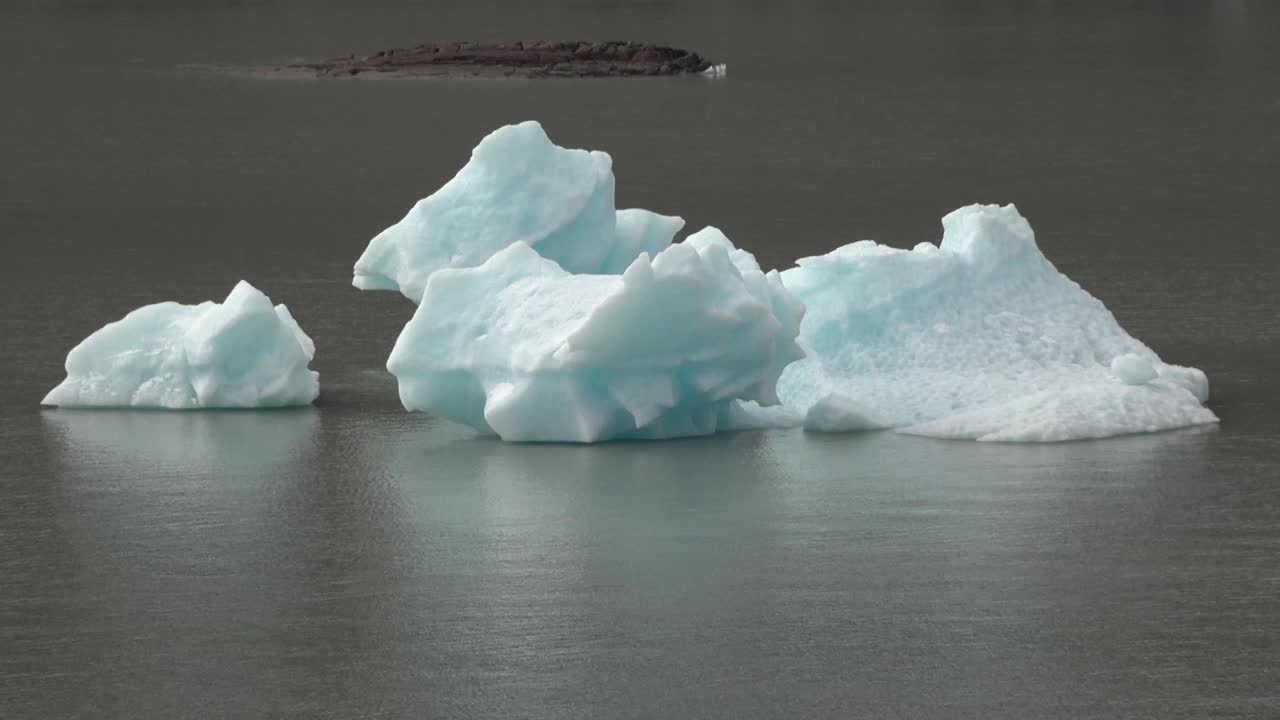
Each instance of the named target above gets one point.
<point>241,353</point>
<point>979,337</point>
<point>522,348</point>
<point>518,187</point>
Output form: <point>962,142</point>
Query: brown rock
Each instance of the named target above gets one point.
<point>541,58</point>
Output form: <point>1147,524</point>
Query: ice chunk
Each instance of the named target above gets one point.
<point>639,231</point>
<point>522,348</point>
<point>517,187</point>
<point>980,337</point>
<point>240,353</point>
<point>1133,369</point>
<point>837,413</point>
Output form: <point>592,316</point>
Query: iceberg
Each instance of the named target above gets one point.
<point>521,347</point>
<point>979,337</point>
<point>518,187</point>
<point>545,313</point>
<point>241,353</point>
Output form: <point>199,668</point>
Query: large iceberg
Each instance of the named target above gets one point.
<point>521,347</point>
<point>518,187</point>
<point>979,337</point>
<point>547,314</point>
<point>241,353</point>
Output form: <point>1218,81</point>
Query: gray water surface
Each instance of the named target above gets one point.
<point>352,560</point>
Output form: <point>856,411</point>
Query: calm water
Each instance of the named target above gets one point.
<point>350,560</point>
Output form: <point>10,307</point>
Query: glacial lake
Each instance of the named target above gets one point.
<point>352,560</point>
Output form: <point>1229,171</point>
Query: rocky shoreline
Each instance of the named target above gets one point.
<point>518,59</point>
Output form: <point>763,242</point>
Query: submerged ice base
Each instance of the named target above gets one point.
<point>241,353</point>
<point>524,349</point>
<point>979,337</point>
<point>518,187</point>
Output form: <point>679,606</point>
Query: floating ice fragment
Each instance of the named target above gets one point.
<point>240,353</point>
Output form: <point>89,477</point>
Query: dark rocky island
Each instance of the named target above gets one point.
<point>517,59</point>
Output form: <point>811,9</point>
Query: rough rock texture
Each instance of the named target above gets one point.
<point>518,59</point>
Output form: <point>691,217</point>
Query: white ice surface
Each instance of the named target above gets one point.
<point>979,337</point>
<point>1133,369</point>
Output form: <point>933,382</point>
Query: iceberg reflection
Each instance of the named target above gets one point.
<point>191,441</point>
